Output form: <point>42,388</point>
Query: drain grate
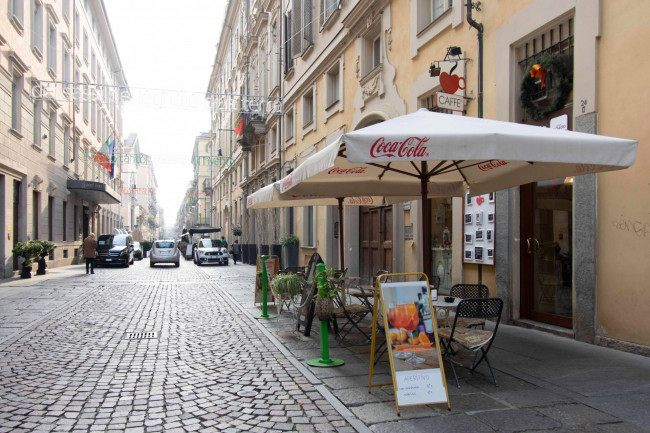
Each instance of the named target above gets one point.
<point>141,335</point>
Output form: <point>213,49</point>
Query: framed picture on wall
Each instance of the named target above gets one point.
<point>478,218</point>
<point>468,218</point>
<point>491,197</point>
<point>468,254</point>
<point>490,217</point>
<point>478,254</point>
<point>490,253</point>
<point>478,235</point>
<point>488,235</point>
<point>468,200</point>
<point>468,238</point>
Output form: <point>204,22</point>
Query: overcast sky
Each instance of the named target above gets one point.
<point>167,49</point>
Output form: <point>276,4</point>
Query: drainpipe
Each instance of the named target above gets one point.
<point>479,29</point>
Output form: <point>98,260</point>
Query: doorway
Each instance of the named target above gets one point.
<point>376,240</point>
<point>86,222</point>
<point>546,252</point>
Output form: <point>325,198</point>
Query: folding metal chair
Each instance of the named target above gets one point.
<point>478,341</point>
<point>466,291</point>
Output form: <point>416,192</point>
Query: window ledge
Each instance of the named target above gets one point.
<point>51,158</point>
<point>289,73</point>
<point>66,167</point>
<point>329,22</point>
<point>332,105</point>
<point>37,53</point>
<point>434,22</point>
<point>17,24</point>
<point>15,133</point>
<point>370,75</point>
<point>51,72</point>
<point>37,147</point>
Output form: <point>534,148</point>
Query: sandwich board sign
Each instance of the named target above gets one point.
<point>412,339</point>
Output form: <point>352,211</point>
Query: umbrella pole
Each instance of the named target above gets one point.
<point>426,221</point>
<point>341,243</point>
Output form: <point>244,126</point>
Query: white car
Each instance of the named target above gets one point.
<point>164,251</point>
<point>210,251</point>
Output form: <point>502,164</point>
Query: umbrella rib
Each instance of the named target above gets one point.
<point>434,172</point>
<point>389,168</point>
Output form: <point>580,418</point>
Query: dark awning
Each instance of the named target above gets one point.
<point>204,230</point>
<point>95,192</point>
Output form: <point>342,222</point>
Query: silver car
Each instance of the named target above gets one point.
<point>210,251</point>
<point>164,251</point>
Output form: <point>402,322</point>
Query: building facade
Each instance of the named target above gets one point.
<point>569,253</point>
<point>141,213</point>
<point>63,87</point>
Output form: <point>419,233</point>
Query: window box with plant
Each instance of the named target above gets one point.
<point>291,245</point>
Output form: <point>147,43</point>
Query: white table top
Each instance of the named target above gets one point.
<point>441,303</point>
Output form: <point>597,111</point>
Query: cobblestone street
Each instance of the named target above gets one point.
<point>69,363</point>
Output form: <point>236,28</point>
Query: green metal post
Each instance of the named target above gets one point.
<point>325,360</point>
<point>265,278</point>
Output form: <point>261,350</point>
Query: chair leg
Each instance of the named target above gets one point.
<point>453,369</point>
<point>487,360</point>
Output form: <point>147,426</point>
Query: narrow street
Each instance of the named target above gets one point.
<point>69,360</point>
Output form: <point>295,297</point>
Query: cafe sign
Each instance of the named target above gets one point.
<point>448,101</point>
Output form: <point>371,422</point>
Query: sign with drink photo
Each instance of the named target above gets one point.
<point>415,359</point>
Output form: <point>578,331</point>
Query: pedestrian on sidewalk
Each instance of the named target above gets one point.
<point>90,252</point>
<point>236,251</point>
<point>224,242</point>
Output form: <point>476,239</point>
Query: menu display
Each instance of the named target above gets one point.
<point>479,229</point>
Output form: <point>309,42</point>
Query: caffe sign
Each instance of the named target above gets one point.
<point>448,101</point>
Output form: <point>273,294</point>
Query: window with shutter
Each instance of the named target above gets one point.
<point>308,24</point>
<point>296,33</point>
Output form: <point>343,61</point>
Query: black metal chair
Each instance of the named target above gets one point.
<point>466,291</point>
<point>353,313</point>
<point>476,340</point>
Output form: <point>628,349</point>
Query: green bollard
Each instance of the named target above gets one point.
<point>265,278</point>
<point>325,360</point>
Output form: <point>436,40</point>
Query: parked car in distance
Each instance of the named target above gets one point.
<point>210,251</point>
<point>137,250</point>
<point>164,251</point>
<point>114,250</point>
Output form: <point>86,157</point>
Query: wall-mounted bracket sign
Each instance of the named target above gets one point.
<point>412,341</point>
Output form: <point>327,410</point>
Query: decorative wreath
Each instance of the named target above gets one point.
<point>562,84</point>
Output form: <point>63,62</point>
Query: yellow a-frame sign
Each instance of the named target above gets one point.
<point>411,331</point>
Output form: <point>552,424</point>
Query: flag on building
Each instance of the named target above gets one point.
<point>239,130</point>
<point>111,148</point>
<point>102,157</point>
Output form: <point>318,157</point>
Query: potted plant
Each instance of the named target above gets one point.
<point>47,249</point>
<point>286,286</point>
<point>28,251</point>
<point>290,244</point>
<point>328,287</point>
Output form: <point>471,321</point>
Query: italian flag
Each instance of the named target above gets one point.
<point>102,157</point>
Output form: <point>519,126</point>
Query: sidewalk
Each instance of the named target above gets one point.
<point>546,383</point>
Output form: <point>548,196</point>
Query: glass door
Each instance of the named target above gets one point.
<point>546,254</point>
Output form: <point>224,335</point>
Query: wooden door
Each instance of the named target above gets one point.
<point>546,258</point>
<point>376,240</point>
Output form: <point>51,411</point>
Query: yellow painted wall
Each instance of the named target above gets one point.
<point>623,273</point>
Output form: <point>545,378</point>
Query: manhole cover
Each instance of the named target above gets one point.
<point>141,335</point>
<point>247,393</point>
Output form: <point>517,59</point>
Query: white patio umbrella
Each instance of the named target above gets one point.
<point>270,196</point>
<point>435,154</point>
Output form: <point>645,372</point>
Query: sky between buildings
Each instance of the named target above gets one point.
<point>167,49</point>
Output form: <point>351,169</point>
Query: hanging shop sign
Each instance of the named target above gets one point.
<point>412,338</point>
<point>449,102</point>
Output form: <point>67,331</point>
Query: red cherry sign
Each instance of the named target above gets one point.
<point>451,83</point>
<point>480,200</point>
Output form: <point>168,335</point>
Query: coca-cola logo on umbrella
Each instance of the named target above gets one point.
<point>412,147</point>
<point>353,170</point>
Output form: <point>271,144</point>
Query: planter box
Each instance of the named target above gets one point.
<point>244,253</point>
<point>276,250</point>
<point>291,256</point>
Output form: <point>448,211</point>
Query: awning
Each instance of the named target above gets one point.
<point>96,192</point>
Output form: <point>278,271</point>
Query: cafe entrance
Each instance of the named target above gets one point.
<point>546,251</point>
